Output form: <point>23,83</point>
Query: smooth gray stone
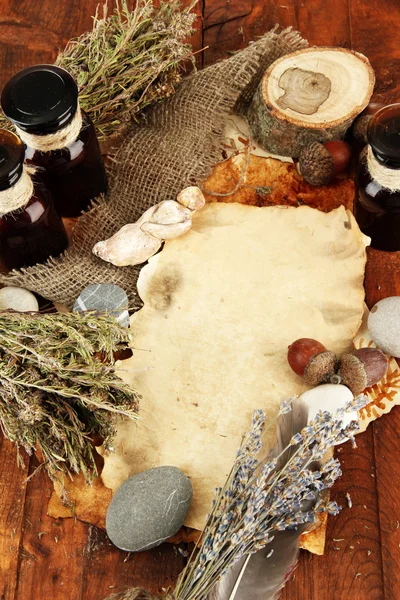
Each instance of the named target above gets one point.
<point>384,325</point>
<point>105,297</point>
<point>148,508</point>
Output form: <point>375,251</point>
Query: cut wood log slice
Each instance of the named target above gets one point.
<point>310,95</point>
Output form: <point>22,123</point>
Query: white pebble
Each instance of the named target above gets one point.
<point>330,397</point>
<point>384,325</point>
<point>17,299</point>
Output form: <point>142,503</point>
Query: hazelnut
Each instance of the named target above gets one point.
<point>311,360</point>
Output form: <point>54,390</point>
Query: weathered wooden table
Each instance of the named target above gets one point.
<point>41,558</point>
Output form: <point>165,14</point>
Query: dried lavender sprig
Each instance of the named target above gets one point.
<point>269,501</point>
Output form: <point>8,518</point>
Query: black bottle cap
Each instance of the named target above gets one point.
<point>40,99</point>
<point>383,135</point>
<point>12,153</point>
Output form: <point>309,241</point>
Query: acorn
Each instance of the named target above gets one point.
<point>360,124</point>
<point>362,368</point>
<point>312,361</point>
<point>359,128</point>
<point>319,163</point>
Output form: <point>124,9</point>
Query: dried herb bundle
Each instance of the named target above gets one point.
<point>55,392</point>
<point>128,60</point>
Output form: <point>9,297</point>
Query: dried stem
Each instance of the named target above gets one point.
<point>59,386</point>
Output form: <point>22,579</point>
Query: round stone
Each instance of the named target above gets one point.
<point>18,299</point>
<point>104,297</point>
<point>384,325</point>
<point>148,508</point>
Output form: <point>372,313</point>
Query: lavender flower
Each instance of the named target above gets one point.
<point>258,499</point>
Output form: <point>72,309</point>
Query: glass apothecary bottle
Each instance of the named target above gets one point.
<point>377,206</point>
<point>42,102</point>
<point>30,228</point>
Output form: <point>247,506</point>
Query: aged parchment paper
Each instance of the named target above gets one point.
<point>222,304</point>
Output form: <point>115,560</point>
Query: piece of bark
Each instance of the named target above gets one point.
<point>310,95</point>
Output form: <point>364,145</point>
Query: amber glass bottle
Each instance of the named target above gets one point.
<point>377,207</point>
<point>30,229</point>
<point>42,102</point>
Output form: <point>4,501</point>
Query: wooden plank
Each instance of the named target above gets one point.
<point>12,502</point>
<point>33,31</point>
<point>230,25</point>
<point>382,280</point>
<point>387,469</point>
<point>313,24</point>
<point>351,566</point>
<point>374,32</point>
<point>109,570</point>
<point>51,555</point>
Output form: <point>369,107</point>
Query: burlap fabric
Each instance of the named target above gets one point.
<point>177,145</point>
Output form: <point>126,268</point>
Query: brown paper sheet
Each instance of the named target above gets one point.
<point>222,304</point>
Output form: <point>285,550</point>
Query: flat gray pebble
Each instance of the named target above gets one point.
<point>104,297</point>
<point>148,508</point>
<point>384,325</point>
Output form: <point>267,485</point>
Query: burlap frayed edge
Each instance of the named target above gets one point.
<point>137,180</point>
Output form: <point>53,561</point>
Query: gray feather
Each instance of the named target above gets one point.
<point>263,577</point>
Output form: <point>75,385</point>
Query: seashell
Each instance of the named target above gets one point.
<point>170,212</point>
<point>192,197</point>
<point>167,232</point>
<point>129,246</point>
<point>135,243</point>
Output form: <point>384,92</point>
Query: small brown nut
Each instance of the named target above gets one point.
<point>316,164</point>
<point>301,352</point>
<point>362,368</point>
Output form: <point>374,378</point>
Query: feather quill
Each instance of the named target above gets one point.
<point>260,576</point>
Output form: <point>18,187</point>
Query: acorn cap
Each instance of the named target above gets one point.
<point>362,368</point>
<point>316,164</point>
<point>320,368</point>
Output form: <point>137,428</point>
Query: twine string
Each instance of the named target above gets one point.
<point>19,194</point>
<point>386,177</point>
<point>57,140</point>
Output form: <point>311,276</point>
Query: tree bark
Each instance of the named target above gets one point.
<point>310,95</point>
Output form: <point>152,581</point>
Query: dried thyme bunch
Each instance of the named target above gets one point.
<point>129,60</point>
<point>258,500</point>
<point>55,392</point>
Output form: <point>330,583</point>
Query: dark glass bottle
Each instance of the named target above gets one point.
<point>33,232</point>
<point>42,101</point>
<point>377,206</point>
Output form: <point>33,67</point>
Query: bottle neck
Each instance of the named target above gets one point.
<point>19,194</point>
<point>57,140</point>
<point>386,177</point>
